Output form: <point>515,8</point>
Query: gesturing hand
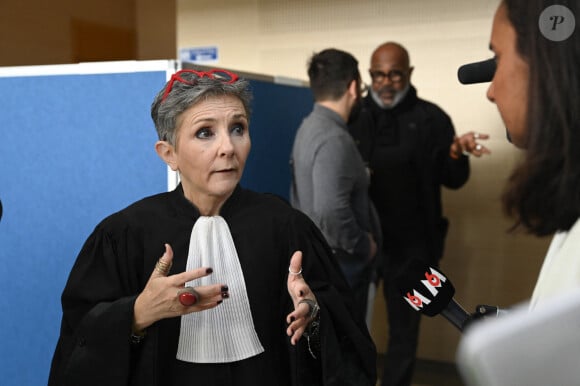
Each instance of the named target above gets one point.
<point>160,298</point>
<point>299,291</point>
<point>467,144</point>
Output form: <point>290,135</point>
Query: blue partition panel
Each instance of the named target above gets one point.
<point>74,149</point>
<point>278,111</point>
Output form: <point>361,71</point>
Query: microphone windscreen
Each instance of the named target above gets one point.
<point>478,72</point>
<point>426,289</point>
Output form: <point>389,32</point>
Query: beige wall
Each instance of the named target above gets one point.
<point>276,37</point>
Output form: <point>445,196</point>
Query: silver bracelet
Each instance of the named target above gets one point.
<point>313,307</point>
<point>136,338</point>
<point>312,331</point>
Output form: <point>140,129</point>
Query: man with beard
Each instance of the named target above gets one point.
<point>411,150</point>
<point>329,179</point>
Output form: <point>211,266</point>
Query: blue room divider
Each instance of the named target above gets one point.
<point>77,145</point>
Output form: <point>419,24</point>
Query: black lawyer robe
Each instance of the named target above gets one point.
<point>119,256</point>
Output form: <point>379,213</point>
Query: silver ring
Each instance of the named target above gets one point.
<point>295,273</point>
<point>478,147</point>
<point>465,152</point>
<point>475,135</point>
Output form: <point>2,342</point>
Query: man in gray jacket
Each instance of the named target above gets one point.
<point>329,179</point>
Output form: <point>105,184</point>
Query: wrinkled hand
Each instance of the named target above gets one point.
<point>467,144</point>
<point>160,297</point>
<point>298,319</point>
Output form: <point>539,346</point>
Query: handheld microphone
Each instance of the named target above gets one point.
<point>478,72</point>
<point>429,291</point>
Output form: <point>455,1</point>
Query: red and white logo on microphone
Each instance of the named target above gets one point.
<point>432,283</point>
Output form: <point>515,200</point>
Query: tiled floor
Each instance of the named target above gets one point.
<point>432,373</point>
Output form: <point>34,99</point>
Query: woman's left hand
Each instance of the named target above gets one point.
<point>298,319</point>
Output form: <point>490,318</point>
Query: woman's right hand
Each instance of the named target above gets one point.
<point>160,297</point>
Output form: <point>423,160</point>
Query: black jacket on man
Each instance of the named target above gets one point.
<point>407,150</point>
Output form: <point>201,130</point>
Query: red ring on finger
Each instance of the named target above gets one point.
<point>187,299</point>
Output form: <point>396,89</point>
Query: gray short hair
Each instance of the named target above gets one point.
<point>189,89</point>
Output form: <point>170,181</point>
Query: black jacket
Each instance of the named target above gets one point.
<point>407,150</point>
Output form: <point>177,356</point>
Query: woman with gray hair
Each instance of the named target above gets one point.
<point>209,284</point>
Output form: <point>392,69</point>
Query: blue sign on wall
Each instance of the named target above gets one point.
<point>199,54</point>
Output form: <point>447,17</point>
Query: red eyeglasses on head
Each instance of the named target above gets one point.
<point>222,75</point>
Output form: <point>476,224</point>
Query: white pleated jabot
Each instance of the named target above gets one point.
<point>225,333</point>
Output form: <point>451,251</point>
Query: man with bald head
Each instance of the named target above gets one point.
<point>411,149</point>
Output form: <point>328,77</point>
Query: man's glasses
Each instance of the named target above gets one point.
<point>217,74</point>
<point>393,75</point>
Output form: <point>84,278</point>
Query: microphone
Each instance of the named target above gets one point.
<point>427,290</point>
<point>478,72</point>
